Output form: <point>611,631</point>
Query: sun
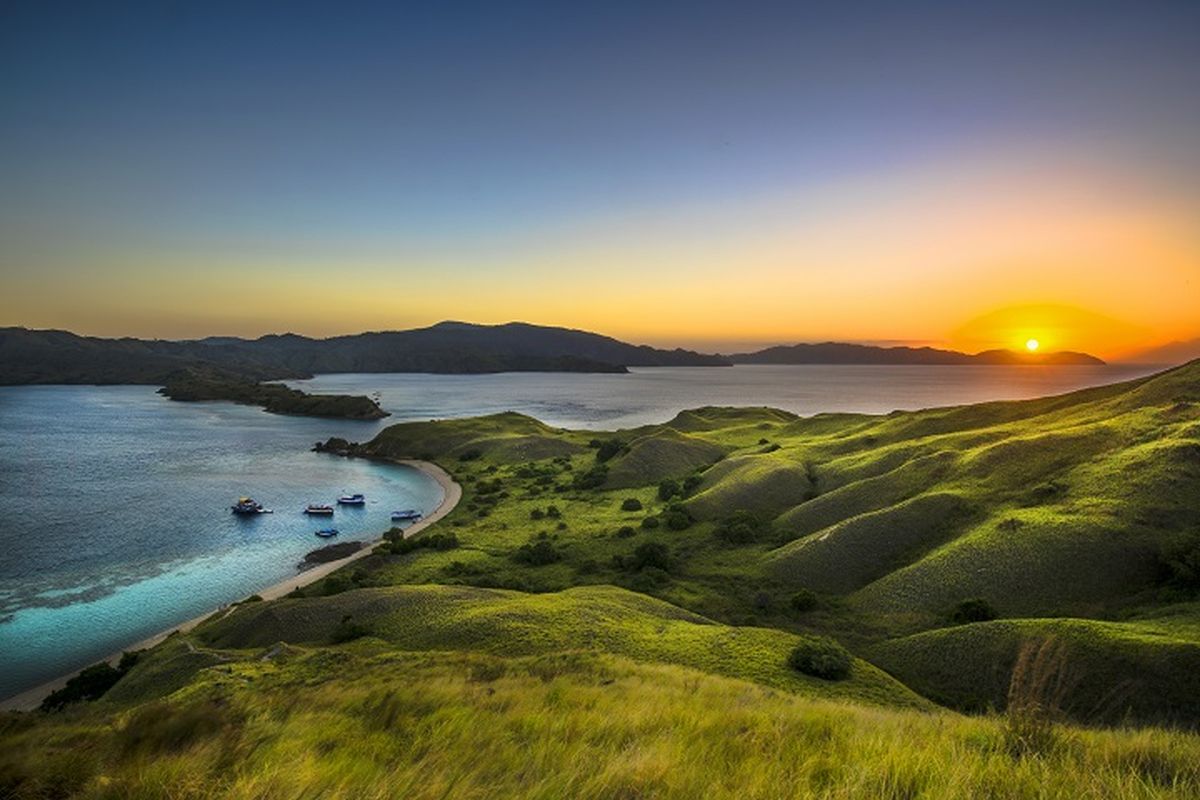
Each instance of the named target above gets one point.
<point>1032,345</point>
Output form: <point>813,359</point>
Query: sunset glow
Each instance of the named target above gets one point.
<point>666,197</point>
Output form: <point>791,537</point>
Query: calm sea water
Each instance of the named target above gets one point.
<point>116,515</point>
<point>649,395</point>
<point>117,522</point>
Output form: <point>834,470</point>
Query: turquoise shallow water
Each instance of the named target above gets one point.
<point>117,521</point>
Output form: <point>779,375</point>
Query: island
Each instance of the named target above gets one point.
<point>194,385</point>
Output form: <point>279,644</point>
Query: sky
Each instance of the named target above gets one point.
<point>712,175</point>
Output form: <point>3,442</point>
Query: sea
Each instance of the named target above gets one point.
<point>116,520</point>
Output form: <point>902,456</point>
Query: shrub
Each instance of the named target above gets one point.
<point>650,523</point>
<point>594,478</point>
<point>740,527</point>
<point>974,610</point>
<point>552,512</point>
<point>668,489</point>
<point>625,531</point>
<point>677,518</point>
<point>804,600</point>
<point>537,554</point>
<point>631,504</point>
<point>651,554</point>
<point>607,449</point>
<point>649,579</point>
<point>822,658</point>
<point>434,541</point>
<point>537,513</point>
<point>691,483</point>
<point>89,684</point>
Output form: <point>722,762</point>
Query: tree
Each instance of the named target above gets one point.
<point>668,489</point>
<point>822,658</point>
<point>974,610</point>
<point>607,449</point>
<point>804,600</point>
<point>652,554</point>
<point>631,504</point>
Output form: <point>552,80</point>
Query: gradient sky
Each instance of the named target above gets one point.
<point>713,175</point>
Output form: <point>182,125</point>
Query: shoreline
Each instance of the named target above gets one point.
<point>30,699</point>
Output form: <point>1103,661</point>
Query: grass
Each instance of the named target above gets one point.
<point>355,723</point>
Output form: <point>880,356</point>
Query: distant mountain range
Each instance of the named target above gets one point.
<point>36,356</point>
<point>48,356</point>
<point>842,353</point>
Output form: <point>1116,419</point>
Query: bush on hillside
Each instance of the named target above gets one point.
<point>90,684</point>
<point>668,489</point>
<point>677,518</point>
<point>625,531</point>
<point>650,523</point>
<point>691,483</point>
<point>974,610</point>
<point>649,579</point>
<point>822,658</point>
<point>594,478</point>
<point>740,527</point>
<point>631,504</point>
<point>435,541</point>
<point>607,449</point>
<point>538,554</point>
<point>651,554</point>
<point>804,600</point>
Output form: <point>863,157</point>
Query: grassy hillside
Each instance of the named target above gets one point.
<point>603,618</point>
<point>630,603</point>
<point>363,721</point>
<point>1057,507</point>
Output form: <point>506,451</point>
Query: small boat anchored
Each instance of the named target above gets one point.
<point>406,515</point>
<point>326,533</point>
<point>246,506</point>
<point>319,509</point>
<point>352,500</point>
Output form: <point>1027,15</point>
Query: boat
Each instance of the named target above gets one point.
<point>352,500</point>
<point>321,509</point>
<point>408,514</point>
<point>326,533</point>
<point>246,506</point>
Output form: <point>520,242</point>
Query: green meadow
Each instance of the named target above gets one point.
<point>997,600</point>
